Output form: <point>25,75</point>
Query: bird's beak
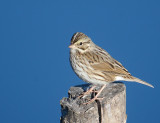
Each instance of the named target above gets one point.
<point>72,46</point>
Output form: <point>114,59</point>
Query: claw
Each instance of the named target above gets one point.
<point>96,97</point>
<point>87,92</point>
<point>100,98</point>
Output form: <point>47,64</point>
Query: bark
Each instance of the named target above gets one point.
<point>110,109</point>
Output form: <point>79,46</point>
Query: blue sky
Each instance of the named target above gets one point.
<point>35,72</point>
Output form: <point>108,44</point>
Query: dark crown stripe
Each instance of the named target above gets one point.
<point>77,36</point>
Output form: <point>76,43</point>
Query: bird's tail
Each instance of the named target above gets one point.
<point>134,79</point>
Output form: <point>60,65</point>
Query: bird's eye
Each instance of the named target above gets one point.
<point>80,43</point>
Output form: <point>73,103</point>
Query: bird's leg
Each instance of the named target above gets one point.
<point>87,92</point>
<point>96,97</point>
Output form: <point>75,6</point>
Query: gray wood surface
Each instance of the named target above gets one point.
<point>112,109</point>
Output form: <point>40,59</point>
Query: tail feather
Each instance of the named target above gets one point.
<point>139,81</point>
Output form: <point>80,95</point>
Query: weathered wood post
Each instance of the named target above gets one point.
<point>112,109</point>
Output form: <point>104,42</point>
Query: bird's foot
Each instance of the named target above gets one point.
<point>87,92</point>
<point>96,97</point>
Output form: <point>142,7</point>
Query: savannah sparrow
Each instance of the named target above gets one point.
<point>94,65</point>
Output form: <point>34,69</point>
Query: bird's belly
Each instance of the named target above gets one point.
<point>89,76</point>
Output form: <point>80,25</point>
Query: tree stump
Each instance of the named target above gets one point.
<point>110,109</point>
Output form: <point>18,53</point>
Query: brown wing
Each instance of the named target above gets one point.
<point>105,63</point>
<point>107,67</point>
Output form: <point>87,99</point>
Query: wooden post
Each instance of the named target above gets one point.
<point>111,109</point>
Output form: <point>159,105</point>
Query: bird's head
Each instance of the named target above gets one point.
<point>80,42</point>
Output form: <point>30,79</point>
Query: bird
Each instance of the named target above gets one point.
<point>96,66</point>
